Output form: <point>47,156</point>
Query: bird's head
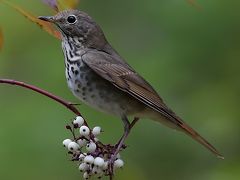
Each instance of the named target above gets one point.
<point>75,23</point>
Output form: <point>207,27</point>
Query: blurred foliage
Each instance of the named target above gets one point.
<point>190,56</point>
<point>59,5</point>
<point>195,4</point>
<point>48,27</point>
<point>67,4</point>
<point>56,5</point>
<point>1,39</point>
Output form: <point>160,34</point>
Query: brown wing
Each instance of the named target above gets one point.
<point>125,78</point>
<point>121,75</point>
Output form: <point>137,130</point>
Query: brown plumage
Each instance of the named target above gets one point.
<point>127,80</point>
<point>85,43</point>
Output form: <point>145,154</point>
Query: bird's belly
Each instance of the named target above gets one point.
<point>91,89</point>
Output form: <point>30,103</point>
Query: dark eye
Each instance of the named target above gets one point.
<point>71,19</point>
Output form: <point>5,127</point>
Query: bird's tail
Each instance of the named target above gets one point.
<point>193,134</point>
<point>177,123</point>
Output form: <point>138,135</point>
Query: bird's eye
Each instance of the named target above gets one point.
<point>71,19</point>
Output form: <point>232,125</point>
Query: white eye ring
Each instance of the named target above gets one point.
<point>71,19</point>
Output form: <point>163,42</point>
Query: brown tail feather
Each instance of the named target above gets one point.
<point>193,134</point>
<point>177,123</point>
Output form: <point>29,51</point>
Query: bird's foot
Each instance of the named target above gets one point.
<point>114,161</point>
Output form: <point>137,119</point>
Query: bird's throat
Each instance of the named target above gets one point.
<point>73,48</point>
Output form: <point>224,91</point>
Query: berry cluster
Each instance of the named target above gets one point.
<point>92,155</point>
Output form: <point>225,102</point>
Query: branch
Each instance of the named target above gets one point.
<point>106,153</point>
<point>68,105</point>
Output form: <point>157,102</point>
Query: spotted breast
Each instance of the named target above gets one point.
<point>91,89</point>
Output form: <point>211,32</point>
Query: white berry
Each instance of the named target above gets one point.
<point>96,170</point>
<point>96,131</point>
<point>105,165</point>
<point>66,142</point>
<point>72,146</point>
<point>79,121</point>
<point>118,163</point>
<point>83,167</point>
<point>89,159</point>
<point>118,156</point>
<point>82,156</point>
<point>82,142</point>
<point>99,162</point>
<point>84,131</point>
<point>100,176</point>
<point>86,175</point>
<point>91,147</point>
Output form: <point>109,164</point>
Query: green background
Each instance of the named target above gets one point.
<point>190,56</point>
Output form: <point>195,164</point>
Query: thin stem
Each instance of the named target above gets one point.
<point>68,105</point>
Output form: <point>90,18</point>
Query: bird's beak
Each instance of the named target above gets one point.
<point>47,18</point>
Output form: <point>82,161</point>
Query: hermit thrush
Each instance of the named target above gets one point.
<point>99,76</point>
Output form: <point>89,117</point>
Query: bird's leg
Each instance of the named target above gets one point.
<point>135,120</point>
<point>127,127</point>
<point>119,144</point>
<point>125,134</point>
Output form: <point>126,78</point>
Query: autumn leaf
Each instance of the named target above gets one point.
<point>52,4</point>
<point>1,39</point>
<point>59,5</point>
<point>194,4</point>
<point>48,27</point>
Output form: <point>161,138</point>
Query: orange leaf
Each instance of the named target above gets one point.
<point>194,4</point>
<point>52,4</point>
<point>67,4</point>
<point>48,27</point>
<point>1,39</point>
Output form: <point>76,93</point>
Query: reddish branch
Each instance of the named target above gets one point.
<point>68,105</point>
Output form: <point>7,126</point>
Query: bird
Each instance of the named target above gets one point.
<point>98,76</point>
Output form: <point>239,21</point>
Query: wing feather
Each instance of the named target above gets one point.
<point>121,75</point>
<point>125,78</point>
